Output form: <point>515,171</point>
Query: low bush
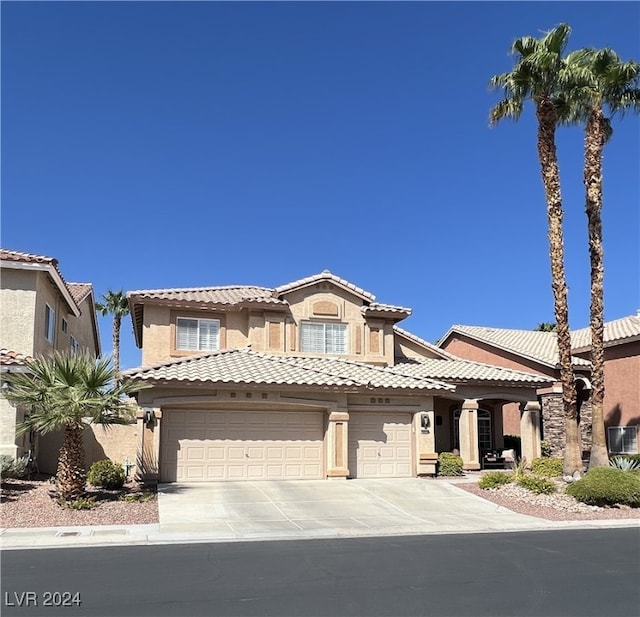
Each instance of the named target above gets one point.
<point>494,479</point>
<point>106,474</point>
<point>607,486</point>
<point>547,467</point>
<point>13,468</point>
<point>545,448</point>
<point>539,486</point>
<point>82,503</point>
<point>449,464</point>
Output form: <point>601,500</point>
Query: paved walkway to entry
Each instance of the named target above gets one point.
<point>228,511</point>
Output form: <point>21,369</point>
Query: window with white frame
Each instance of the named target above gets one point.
<point>318,337</point>
<point>49,323</point>
<point>75,348</point>
<point>623,439</point>
<point>197,334</point>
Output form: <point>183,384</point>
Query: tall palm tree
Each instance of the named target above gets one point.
<point>114,303</point>
<point>539,75</point>
<point>69,392</point>
<point>601,83</point>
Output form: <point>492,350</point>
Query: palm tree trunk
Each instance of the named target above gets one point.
<point>71,477</point>
<point>594,144</point>
<point>547,154</point>
<point>116,345</point>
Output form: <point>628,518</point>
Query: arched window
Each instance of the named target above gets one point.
<point>485,439</point>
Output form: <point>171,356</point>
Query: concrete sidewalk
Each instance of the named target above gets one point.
<point>295,510</point>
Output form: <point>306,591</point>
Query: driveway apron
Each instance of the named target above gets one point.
<point>333,508</point>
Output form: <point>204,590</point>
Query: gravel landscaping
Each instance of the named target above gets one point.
<point>29,503</point>
<point>556,507</point>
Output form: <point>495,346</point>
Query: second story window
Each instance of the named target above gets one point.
<point>323,337</point>
<point>197,334</point>
<point>49,323</point>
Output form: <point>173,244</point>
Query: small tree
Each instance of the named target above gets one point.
<point>116,304</point>
<point>70,392</point>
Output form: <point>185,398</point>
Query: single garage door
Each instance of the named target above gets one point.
<point>241,445</point>
<point>380,445</point>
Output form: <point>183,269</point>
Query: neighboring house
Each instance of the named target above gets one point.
<point>39,313</point>
<point>537,352</point>
<point>310,380</point>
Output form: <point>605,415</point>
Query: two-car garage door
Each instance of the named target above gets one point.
<point>241,445</point>
<point>203,445</point>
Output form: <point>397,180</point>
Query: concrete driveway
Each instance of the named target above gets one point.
<point>312,509</point>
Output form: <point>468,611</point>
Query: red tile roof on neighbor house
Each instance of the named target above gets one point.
<point>13,358</point>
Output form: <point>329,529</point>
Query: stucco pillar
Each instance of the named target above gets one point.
<point>424,430</point>
<point>530,432</point>
<point>337,445</point>
<point>148,450</point>
<point>469,435</point>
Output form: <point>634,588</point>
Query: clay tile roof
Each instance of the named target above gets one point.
<point>6,255</point>
<point>377,307</point>
<point>230,295</point>
<point>13,358</point>
<point>615,331</point>
<point>463,371</point>
<point>243,366</point>
<point>325,275</point>
<point>541,347</point>
<point>79,291</point>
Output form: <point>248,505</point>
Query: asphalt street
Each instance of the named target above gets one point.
<point>541,573</point>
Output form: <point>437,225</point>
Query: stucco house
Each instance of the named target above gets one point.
<point>40,313</point>
<point>310,380</point>
<point>538,352</point>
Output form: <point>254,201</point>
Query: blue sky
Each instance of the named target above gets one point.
<point>176,144</point>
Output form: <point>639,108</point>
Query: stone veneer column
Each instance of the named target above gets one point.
<point>469,435</point>
<point>337,445</point>
<point>530,432</point>
<point>553,422</point>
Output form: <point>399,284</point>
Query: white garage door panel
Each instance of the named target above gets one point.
<point>221,445</point>
<point>380,445</point>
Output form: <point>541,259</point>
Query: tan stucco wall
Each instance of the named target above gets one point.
<point>10,444</point>
<point>275,332</point>
<point>81,328</point>
<point>17,309</point>
<point>117,443</point>
<point>408,349</point>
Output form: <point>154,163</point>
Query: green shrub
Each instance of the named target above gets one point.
<point>106,474</point>
<point>82,503</point>
<point>494,479</point>
<point>545,448</point>
<point>539,486</point>
<point>449,464</point>
<point>547,467</point>
<point>10,468</point>
<point>607,486</point>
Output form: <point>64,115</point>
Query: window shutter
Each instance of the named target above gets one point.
<point>187,333</point>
